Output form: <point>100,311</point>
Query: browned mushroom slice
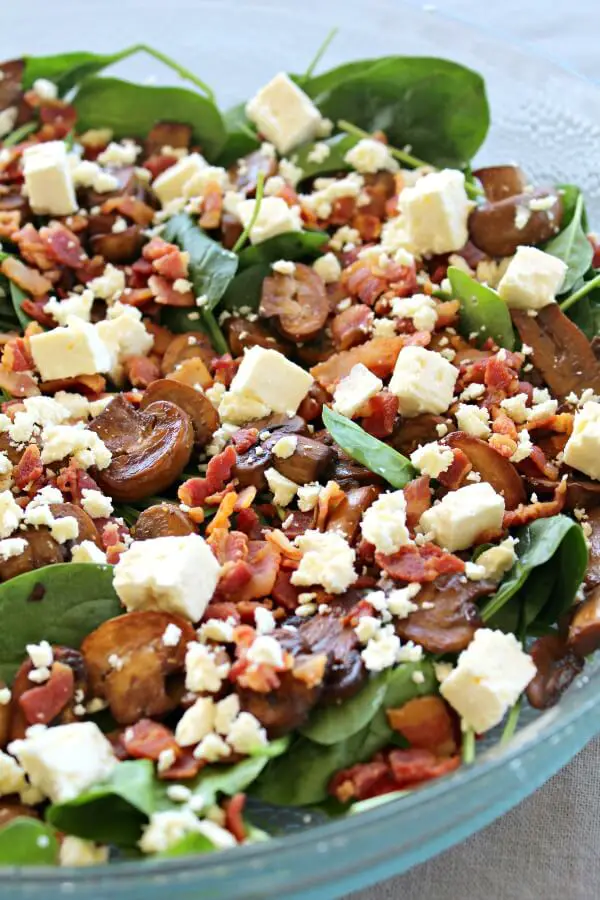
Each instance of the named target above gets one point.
<point>162,520</point>
<point>350,474</point>
<point>119,247</point>
<point>411,433</point>
<point>150,448</point>
<point>447,617</point>
<point>492,467</point>
<point>251,466</point>
<point>87,529</point>
<point>130,666</point>
<point>346,517</point>
<point>345,674</point>
<point>561,352</point>
<point>500,182</point>
<point>168,134</point>
<point>187,346</point>
<point>592,577</point>
<point>557,665</point>
<point>282,424</point>
<point>309,461</point>
<point>242,334</point>
<point>245,172</point>
<point>11,83</point>
<point>495,227</point>
<point>41,550</point>
<point>584,630</point>
<point>204,416</point>
<point>299,303</point>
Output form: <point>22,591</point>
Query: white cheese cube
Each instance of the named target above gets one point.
<point>435,212</point>
<point>473,419</point>
<point>284,114</point>
<point>328,267</point>
<point>283,489</point>
<point>170,184</point>
<point>532,280</point>
<point>79,305</point>
<point>196,722</point>
<point>327,559</point>
<point>66,352</point>
<point>384,523</point>
<point>461,516</point>
<point>355,389</point>
<point>423,381</point>
<point>489,677</point>
<point>48,179</point>
<point>175,574</point>
<point>65,760</point>
<point>432,459</point>
<point>274,217</point>
<point>268,377</point>
<point>124,335</point>
<point>582,450</point>
<point>88,552</point>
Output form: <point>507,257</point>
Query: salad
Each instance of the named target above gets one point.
<point>299,449</point>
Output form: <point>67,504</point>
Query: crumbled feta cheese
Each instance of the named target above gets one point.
<point>399,601</point>
<point>166,758</point>
<point>226,711</point>
<point>423,381</point>
<point>76,349</point>
<point>41,655</point>
<point>285,446</point>
<point>119,155</point>
<point>8,120</point>
<point>524,447</point>
<point>205,671</point>
<point>369,156</point>
<point>264,619</point>
<point>366,628</point>
<point>384,523</point>
<point>532,279</point>
<point>308,496</point>
<point>473,420</point>
<point>76,852</point>
<point>496,561</point>
<point>48,179</point>
<point>290,172</point>
<point>212,748</point>
<point>12,776</point>
<point>274,217</point>
<point>355,389</point>
<point>172,635</point>
<point>64,529</point>
<point>582,450</point>
<point>457,520</point>
<point>171,184</point>
<point>196,722</point>
<point>319,153</point>
<point>432,459</point>
<point>328,268</point>
<point>96,504</point>
<point>435,211</point>
<point>284,267</point>
<point>345,238</point>
<point>10,547</point>
<point>60,441</point>
<point>327,191</point>
<point>78,305</point>
<point>110,285</point>
<point>10,514</point>
<point>421,308</point>
<point>284,114</point>
<point>88,552</point>
<point>169,827</point>
<point>45,89</point>
<point>266,649</point>
<point>382,650</point>
<point>327,559</point>
<point>283,489</point>
<point>246,734</point>
<point>217,630</point>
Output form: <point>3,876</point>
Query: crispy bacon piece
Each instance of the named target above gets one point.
<point>249,568</point>
<point>17,357</point>
<point>64,245</point>
<point>387,772</point>
<point>537,459</point>
<point>426,724</point>
<point>212,207</point>
<point>30,468</point>
<point>244,439</point>
<point>234,822</point>
<point>412,767</point>
<point>166,295</point>
<point>172,265</point>
<point>417,494</point>
<point>194,491</point>
<point>147,739</point>
<point>35,309</point>
<point>33,249</point>
<point>224,513</point>
<point>362,781</point>
<point>524,514</point>
<point>379,355</point>
<point>351,326</point>
<point>72,480</point>
<point>142,370</point>
<point>42,704</point>
<point>458,470</point>
<point>185,767</point>
<point>90,385</point>
<point>18,384</point>
<point>28,279</point>
<point>424,563</point>
<point>380,414</point>
<point>156,248</point>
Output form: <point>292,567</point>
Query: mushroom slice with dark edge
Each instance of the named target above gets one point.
<point>87,528</point>
<point>500,182</point>
<point>187,346</point>
<point>346,673</point>
<point>345,519</point>
<point>299,302</point>
<point>491,466</point>
<point>174,135</point>
<point>561,352</point>
<point>498,227</point>
<point>584,630</point>
<point>411,433</point>
<point>119,247</point>
<point>41,550</point>
<point>309,461</point>
<point>557,665</point>
<point>144,682</point>
<point>204,416</point>
<point>150,448</point>
<point>163,520</point>
<point>244,173</point>
<point>242,334</point>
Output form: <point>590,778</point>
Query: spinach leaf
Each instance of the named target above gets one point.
<point>367,450</point>
<point>436,106</point>
<point>19,134</point>
<point>241,136</point>
<point>17,295</point>
<point>191,844</point>
<point>338,146</point>
<point>59,603</point>
<point>482,311</point>
<point>212,267</point>
<point>318,87</point>
<point>294,245</point>
<point>573,247</point>
<point>569,195</point>
<point>113,812</point>
<point>558,540</point>
<point>587,290</point>
<point>132,109</point>
<point>246,288</point>
<point>586,314</point>
<point>67,70</point>
<point>27,842</point>
<point>331,724</point>
<point>319,55</point>
<point>301,777</point>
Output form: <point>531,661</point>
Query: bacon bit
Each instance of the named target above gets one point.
<point>224,368</point>
<point>64,246</point>
<point>282,543</point>
<point>417,494</point>
<point>10,222</point>
<point>248,522</point>
<point>244,438</point>
<point>137,297</point>
<point>113,553</point>
<point>222,610</point>
<point>261,677</point>
<point>503,445</point>
<point>215,499</point>
<point>502,376</point>
<point>396,770</point>
<point>234,808</point>
<point>284,593</point>
<point>130,207</point>
<point>502,424</point>
<point>196,514</point>
<point>140,272</point>
<point>159,163</point>
<point>458,470</point>
<point>367,225</point>
<point>424,563</point>
<point>245,499</point>
<point>142,370</point>
<point>162,336</point>
<point>426,724</point>
<point>35,309</point>
<point>212,207</point>
<point>537,460</point>
<point>263,559</point>
<point>18,384</point>
<point>17,357</point>
<point>72,480</point>
<point>58,118</point>
<point>42,704</point>
<point>28,279</point>
<point>30,468</point>
<point>33,249</point>
<point>380,414</point>
<point>379,355</point>
<point>157,247</point>
<point>329,499</point>
<point>165,294</point>
<point>351,326</point>
<point>93,386</point>
<point>412,767</point>
<point>524,514</point>
<point>298,522</point>
<point>185,767</point>
<point>447,314</point>
<point>172,265</point>
<point>223,514</point>
<point>194,491</point>
<point>361,781</point>
<point>360,281</point>
<point>148,739</point>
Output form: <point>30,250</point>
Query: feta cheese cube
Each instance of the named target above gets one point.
<point>79,305</point>
<point>65,760</point>
<point>355,389</point>
<point>474,420</point>
<point>489,677</point>
<point>196,722</point>
<point>285,446</point>
<point>204,672</point>
<point>435,212</point>
<point>96,504</point>
<point>10,514</point>
<point>246,734</point>
<point>582,450</point>
<point>48,179</point>
<point>532,280</point>
<point>174,574</point>
<point>274,217</point>
<point>462,515</point>
<point>282,488</point>
<point>268,377</point>
<point>76,852</point>
<point>87,552</point>
<point>384,523</point>
<point>327,559</point>
<point>237,409</point>
<point>369,156</point>
<point>66,352</point>
<point>423,381</point>
<point>328,268</point>
<point>432,459</point>
<point>496,561</point>
<point>421,308</point>
<point>170,184</point>
<point>284,114</point>
<point>123,334</point>
<point>308,496</point>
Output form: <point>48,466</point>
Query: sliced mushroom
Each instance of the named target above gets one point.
<point>299,302</point>
<point>347,516</point>
<point>592,577</point>
<point>557,665</point>
<point>411,433</point>
<point>500,182</point>
<point>119,247</point>
<point>130,666</point>
<point>41,550</point>
<point>168,134</point>
<point>561,352</point>
<point>584,630</point>
<point>204,416</point>
<point>281,424</point>
<point>187,346</point>
<point>150,448</point>
<point>251,466</point>
<point>350,474</point>
<point>87,528</point>
<point>309,461</point>
<point>162,520</point>
<point>492,467</point>
<point>345,674</point>
<point>242,334</point>
<point>447,617</point>
<point>499,227</point>
<point>246,171</point>
<point>581,492</point>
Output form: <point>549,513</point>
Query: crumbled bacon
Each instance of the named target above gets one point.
<point>380,414</point>
<point>393,771</point>
<point>458,470</point>
<point>234,821</point>
<point>194,491</point>
<point>28,279</point>
<point>424,563</point>
<point>502,424</point>
<point>524,514</point>
<point>351,326</point>
<point>172,265</point>
<point>212,207</point>
<point>417,494</point>
<point>147,739</point>
<point>29,469</point>
<point>17,356</point>
<point>244,439</point>
<point>72,481</point>
<point>64,246</point>
<point>165,294</point>
<point>131,208</point>
<point>249,568</point>
<point>35,309</point>
<point>379,355</point>
<point>142,370</point>
<point>42,704</point>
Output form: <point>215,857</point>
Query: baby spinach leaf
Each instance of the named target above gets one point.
<point>17,295</point>
<point>331,724</point>
<point>569,195</point>
<point>338,146</point>
<point>301,776</point>
<point>211,267</point>
<point>368,450</point>
<point>66,70</point>
<point>27,842</point>
<point>482,311</point>
<point>558,540</point>
<point>318,55</point>
<point>586,313</point>
<point>113,812</point>
<point>19,134</point>
<point>294,245</point>
<point>132,109</point>
<point>241,136</point>
<point>573,247</point>
<point>319,86</point>
<point>246,288</point>
<point>191,844</point>
<point>60,603</point>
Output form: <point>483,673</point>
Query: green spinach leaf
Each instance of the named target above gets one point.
<point>17,295</point>
<point>27,842</point>
<point>66,70</point>
<point>338,146</point>
<point>569,195</point>
<point>190,845</point>
<point>367,450</point>
<point>295,245</point>
<point>19,134</point>
<point>241,136</point>
<point>246,288</point>
<point>60,603</point>
<point>573,247</point>
<point>331,724</point>
<point>482,311</point>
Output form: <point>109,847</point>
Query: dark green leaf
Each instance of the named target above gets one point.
<point>294,245</point>
<point>17,295</point>
<point>569,195</point>
<point>320,86</point>
<point>113,812</point>
<point>27,842</point>
<point>19,134</point>
<point>338,145</point>
<point>67,70</point>
<point>212,267</point>
<point>331,724</point>
<point>573,247</point>
<point>368,450</point>
<point>241,136</point>
<point>132,109</point>
<point>482,311</point>
<point>191,844</point>
<point>59,603</point>
<point>246,288</point>
<point>586,314</point>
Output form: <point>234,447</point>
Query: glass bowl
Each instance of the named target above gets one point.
<point>544,117</point>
